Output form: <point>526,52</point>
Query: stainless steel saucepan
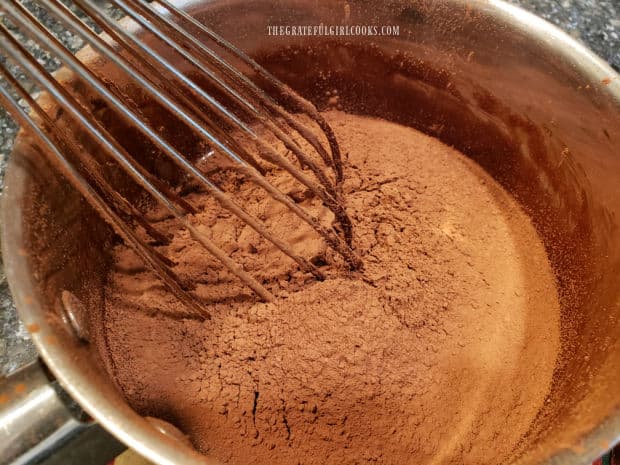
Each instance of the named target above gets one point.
<point>537,110</point>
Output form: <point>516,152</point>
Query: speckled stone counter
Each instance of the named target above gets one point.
<point>594,22</point>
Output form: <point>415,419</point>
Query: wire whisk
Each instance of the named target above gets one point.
<point>208,85</point>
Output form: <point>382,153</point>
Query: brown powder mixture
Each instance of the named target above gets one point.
<point>440,351</point>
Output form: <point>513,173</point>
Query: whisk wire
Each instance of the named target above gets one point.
<point>302,104</point>
<point>325,190</point>
<point>95,200</point>
<point>38,32</point>
<point>148,18</point>
<point>18,53</point>
<point>137,173</point>
<point>148,69</point>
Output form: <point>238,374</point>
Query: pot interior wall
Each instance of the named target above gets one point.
<point>518,110</point>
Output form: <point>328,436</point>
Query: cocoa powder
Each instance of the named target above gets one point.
<point>441,350</point>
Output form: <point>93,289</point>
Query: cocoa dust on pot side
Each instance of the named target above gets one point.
<point>441,351</point>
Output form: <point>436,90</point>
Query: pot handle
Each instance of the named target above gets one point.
<point>40,424</point>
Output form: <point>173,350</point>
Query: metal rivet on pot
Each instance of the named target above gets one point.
<point>168,429</point>
<point>75,315</point>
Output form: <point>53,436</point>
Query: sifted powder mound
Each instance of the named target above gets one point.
<point>440,351</point>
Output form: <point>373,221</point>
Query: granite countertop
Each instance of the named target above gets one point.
<point>594,22</point>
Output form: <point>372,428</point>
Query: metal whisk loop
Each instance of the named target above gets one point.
<point>186,100</point>
<point>39,33</point>
<point>302,104</point>
<point>17,52</point>
<point>202,57</point>
<point>143,52</point>
<point>94,199</point>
